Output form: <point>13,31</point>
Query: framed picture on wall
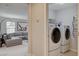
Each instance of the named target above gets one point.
<point>22,26</point>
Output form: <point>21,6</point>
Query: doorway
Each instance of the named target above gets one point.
<point>64,14</point>
<point>14,29</point>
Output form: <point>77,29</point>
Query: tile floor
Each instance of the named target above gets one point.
<point>70,53</point>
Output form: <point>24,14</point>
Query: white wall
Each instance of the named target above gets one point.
<point>13,15</point>
<point>51,14</point>
<point>66,16</point>
<point>14,10</point>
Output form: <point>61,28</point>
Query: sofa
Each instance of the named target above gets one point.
<point>13,41</point>
<point>23,35</point>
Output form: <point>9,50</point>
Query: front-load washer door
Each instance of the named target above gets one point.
<point>55,35</point>
<point>54,39</point>
<point>67,33</point>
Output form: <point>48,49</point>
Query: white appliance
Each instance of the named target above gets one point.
<point>65,43</point>
<point>54,42</point>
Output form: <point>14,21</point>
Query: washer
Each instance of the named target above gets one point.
<point>54,42</point>
<point>65,43</point>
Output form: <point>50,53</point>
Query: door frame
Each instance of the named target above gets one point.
<point>30,36</point>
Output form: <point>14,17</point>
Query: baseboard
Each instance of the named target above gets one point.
<point>73,50</point>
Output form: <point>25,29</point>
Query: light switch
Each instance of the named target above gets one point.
<point>37,21</point>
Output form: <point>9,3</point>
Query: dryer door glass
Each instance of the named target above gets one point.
<point>67,34</point>
<point>56,35</point>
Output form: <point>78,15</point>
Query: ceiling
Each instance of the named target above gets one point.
<point>18,9</point>
<point>58,6</point>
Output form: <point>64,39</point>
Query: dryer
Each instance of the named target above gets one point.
<point>65,43</point>
<point>54,42</point>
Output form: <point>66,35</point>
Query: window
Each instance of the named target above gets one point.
<point>10,27</point>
